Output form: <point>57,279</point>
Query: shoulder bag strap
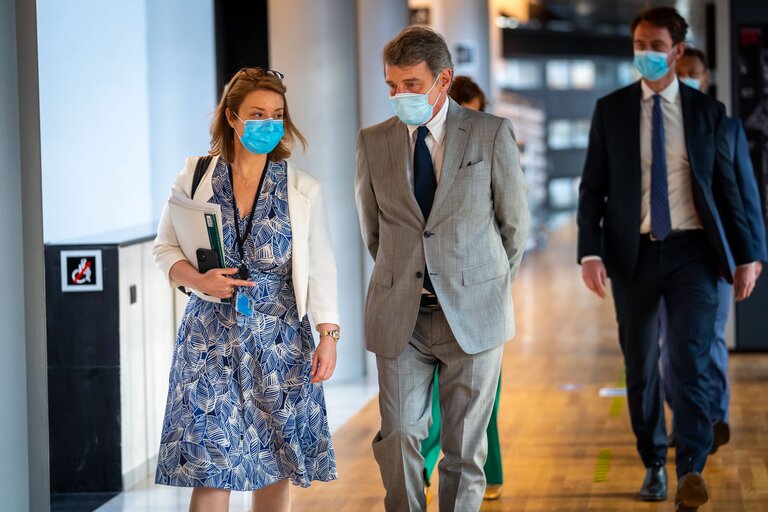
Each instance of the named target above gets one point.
<point>202,166</point>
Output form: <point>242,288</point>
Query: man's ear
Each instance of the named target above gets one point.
<point>679,50</point>
<point>446,76</point>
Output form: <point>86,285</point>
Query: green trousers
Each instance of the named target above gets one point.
<point>430,447</point>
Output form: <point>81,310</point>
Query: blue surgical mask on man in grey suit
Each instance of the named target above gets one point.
<point>413,108</point>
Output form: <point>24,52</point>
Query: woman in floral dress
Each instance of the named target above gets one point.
<point>245,408</point>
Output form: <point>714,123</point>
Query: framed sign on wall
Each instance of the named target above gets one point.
<point>81,271</point>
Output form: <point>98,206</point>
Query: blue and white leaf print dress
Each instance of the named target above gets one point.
<point>241,413</point>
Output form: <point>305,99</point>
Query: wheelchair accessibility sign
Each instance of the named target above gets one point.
<point>81,271</point>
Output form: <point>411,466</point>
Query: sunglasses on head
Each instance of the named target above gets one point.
<point>258,73</point>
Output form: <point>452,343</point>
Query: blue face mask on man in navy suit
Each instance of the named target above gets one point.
<point>691,82</point>
<point>651,65</point>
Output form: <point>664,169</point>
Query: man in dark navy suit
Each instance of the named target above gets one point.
<point>693,70</point>
<point>660,214</point>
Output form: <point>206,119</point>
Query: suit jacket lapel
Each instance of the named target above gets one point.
<point>688,122</point>
<point>454,143</point>
<point>634,107</point>
<point>397,139</point>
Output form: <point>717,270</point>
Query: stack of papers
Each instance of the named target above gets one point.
<point>197,226</point>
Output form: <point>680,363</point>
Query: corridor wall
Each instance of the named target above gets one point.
<point>125,93</point>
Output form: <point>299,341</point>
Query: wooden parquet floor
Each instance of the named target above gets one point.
<point>554,425</point>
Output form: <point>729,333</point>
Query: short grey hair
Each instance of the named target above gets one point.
<point>418,44</point>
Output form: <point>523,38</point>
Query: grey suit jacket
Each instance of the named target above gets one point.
<point>472,242</point>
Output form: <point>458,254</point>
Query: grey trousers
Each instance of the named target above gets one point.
<point>467,385</point>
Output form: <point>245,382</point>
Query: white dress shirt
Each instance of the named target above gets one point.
<point>682,211</point>
<point>434,140</point>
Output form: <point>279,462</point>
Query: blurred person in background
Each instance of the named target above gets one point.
<point>693,70</point>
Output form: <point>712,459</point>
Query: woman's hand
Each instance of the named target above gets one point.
<point>218,283</point>
<point>324,360</point>
<point>215,282</point>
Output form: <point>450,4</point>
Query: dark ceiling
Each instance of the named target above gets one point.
<point>591,14</point>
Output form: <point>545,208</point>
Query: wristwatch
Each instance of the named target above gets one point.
<point>335,334</point>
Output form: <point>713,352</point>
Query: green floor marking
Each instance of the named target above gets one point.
<point>617,402</point>
<point>603,465</point>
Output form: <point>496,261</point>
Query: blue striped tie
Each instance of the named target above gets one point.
<point>661,225</point>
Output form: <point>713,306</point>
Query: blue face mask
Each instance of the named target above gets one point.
<point>261,136</point>
<point>692,82</point>
<point>652,65</point>
<point>413,108</point>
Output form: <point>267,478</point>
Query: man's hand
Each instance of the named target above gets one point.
<point>595,277</point>
<point>744,281</point>
<point>758,269</point>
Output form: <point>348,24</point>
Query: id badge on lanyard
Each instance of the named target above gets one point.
<point>243,306</point>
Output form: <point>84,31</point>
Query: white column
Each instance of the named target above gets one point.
<point>377,23</point>
<point>14,481</point>
<point>313,44</point>
<point>24,476</point>
<point>723,53</point>
<point>723,81</point>
<point>465,23</point>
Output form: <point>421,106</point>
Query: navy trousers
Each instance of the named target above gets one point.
<point>683,270</point>
<point>719,385</point>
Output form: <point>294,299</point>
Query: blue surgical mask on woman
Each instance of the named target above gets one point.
<point>413,108</point>
<point>261,136</point>
<point>651,65</point>
<point>691,82</point>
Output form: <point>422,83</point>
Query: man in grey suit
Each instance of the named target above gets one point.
<point>442,205</point>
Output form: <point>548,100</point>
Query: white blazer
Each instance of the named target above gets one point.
<point>313,262</point>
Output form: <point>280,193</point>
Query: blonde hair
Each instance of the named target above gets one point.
<point>241,85</point>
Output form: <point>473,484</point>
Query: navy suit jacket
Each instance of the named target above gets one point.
<point>747,183</point>
<point>610,190</point>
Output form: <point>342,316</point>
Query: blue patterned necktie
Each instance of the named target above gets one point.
<point>424,183</point>
<point>661,225</point>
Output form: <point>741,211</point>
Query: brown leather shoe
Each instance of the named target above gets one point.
<point>691,493</point>
<point>492,492</point>
<point>721,434</point>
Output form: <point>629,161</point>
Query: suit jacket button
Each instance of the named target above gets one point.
<point>428,234</point>
<point>419,275</point>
